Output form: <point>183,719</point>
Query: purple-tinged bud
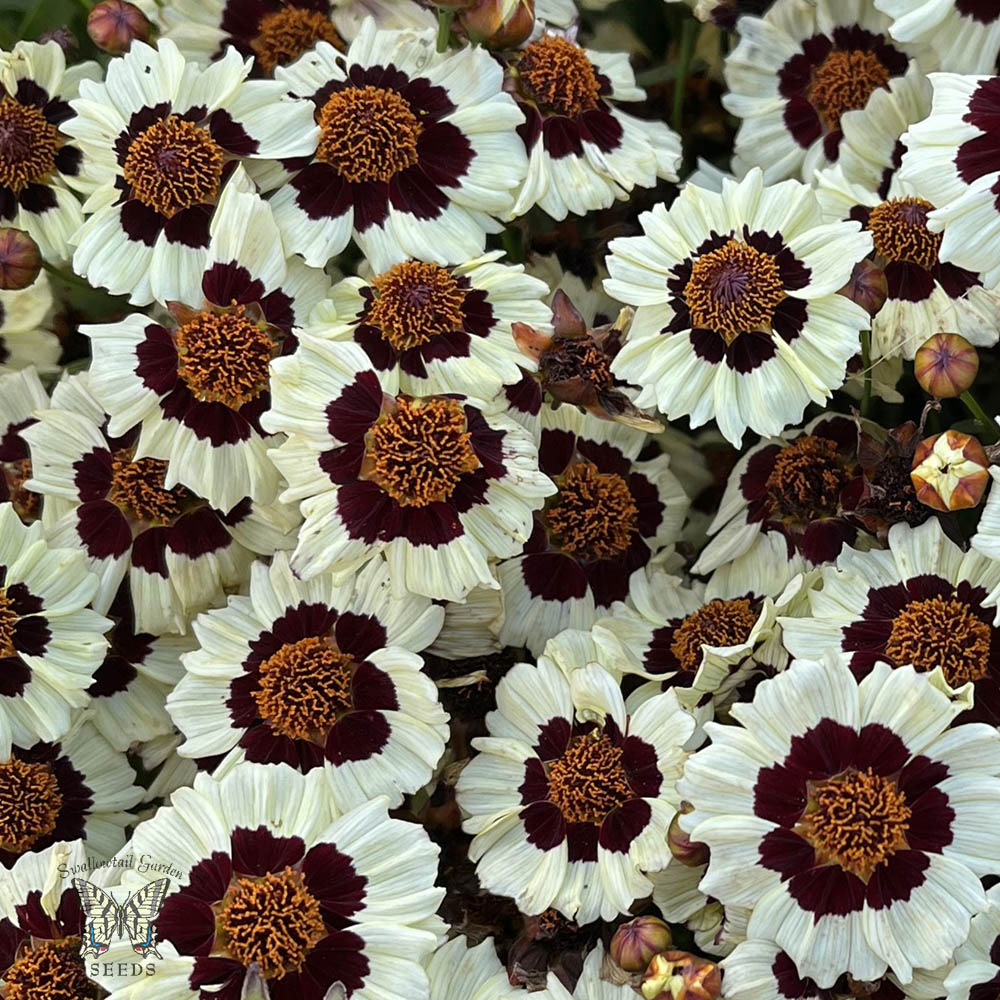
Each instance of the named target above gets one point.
<point>636,942</point>
<point>946,365</point>
<point>687,851</point>
<point>113,25</point>
<point>20,260</point>
<point>867,286</point>
<point>63,37</point>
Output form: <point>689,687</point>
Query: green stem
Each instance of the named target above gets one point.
<point>866,368</point>
<point>513,245</point>
<point>988,424</point>
<point>689,32</point>
<point>445,19</point>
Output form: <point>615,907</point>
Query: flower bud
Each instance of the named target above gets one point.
<point>63,37</point>
<point>636,942</point>
<point>946,365</point>
<point>20,260</point>
<point>113,25</point>
<point>679,975</point>
<point>950,471</point>
<point>866,286</point>
<point>500,24</point>
<point>687,851</point>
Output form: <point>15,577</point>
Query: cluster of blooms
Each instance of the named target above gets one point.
<point>458,542</point>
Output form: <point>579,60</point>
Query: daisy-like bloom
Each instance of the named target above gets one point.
<point>180,553</point>
<point>920,602</point>
<point>851,816</point>
<point>42,926</point>
<point>803,486</point>
<point>25,315</point>
<point>976,974</point>
<point>611,514</point>
<point>428,329</point>
<point>159,139</point>
<point>953,160</point>
<point>21,394</point>
<point>794,73</point>
<point>76,788</point>
<point>440,484</point>
<point>127,696</point>
<point>965,34</point>
<point>738,317</point>
<point>313,674</point>
<point>570,797</point>
<point>38,163</point>
<point>51,642</point>
<point>276,32</point>
<point>417,151</point>
<point>282,897</point>
<point>197,387</point>
<point>584,152</point>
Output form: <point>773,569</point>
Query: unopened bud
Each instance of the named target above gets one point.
<point>636,942</point>
<point>679,975</point>
<point>946,365</point>
<point>867,286</point>
<point>113,25</point>
<point>950,471</point>
<point>20,260</point>
<point>63,37</point>
<point>687,851</point>
<point>499,24</point>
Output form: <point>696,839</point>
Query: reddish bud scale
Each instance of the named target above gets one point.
<point>20,260</point>
<point>946,365</point>
<point>950,471</point>
<point>113,25</point>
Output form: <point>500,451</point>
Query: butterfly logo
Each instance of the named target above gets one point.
<point>106,920</point>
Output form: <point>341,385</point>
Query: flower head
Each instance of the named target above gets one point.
<point>950,471</point>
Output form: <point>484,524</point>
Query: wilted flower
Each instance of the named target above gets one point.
<point>634,944</point>
<point>887,492</point>
<point>20,260</point>
<point>678,975</point>
<point>950,471</point>
<point>946,365</point>
<point>113,25</point>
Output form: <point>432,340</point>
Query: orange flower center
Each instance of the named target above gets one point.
<point>414,303</point>
<point>284,35</point>
<point>368,134</point>
<point>420,452</point>
<point>559,76</point>
<point>8,623</point>
<point>717,623</point>
<point>844,81</point>
<point>594,514</point>
<point>857,820</point>
<point>137,489</point>
<point>899,231</point>
<point>940,632</point>
<point>588,781</point>
<point>734,290</point>
<point>28,145</point>
<point>303,687</point>
<point>273,920</point>
<point>224,357</point>
<point>807,478</point>
<point>30,803</point>
<point>50,970</point>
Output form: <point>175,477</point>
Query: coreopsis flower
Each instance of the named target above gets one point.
<point>795,71</point>
<point>179,552</point>
<point>738,317</point>
<point>953,160</point>
<point>441,484</point>
<point>976,970</point>
<point>78,787</point>
<point>571,797</point>
<point>803,485</point>
<point>965,34</point>
<point>313,674</point>
<point>196,387</point>
<point>51,642</point>
<point>127,696</point>
<point>610,514</point>
<point>282,896</point>
<point>25,337</point>
<point>950,471</point>
<point>584,151</point>
<point>159,138</point>
<point>21,394</point>
<point>923,602</point>
<point>429,328</point>
<point>852,816</point>
<point>411,160</point>
<point>40,164</point>
<point>42,925</point>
